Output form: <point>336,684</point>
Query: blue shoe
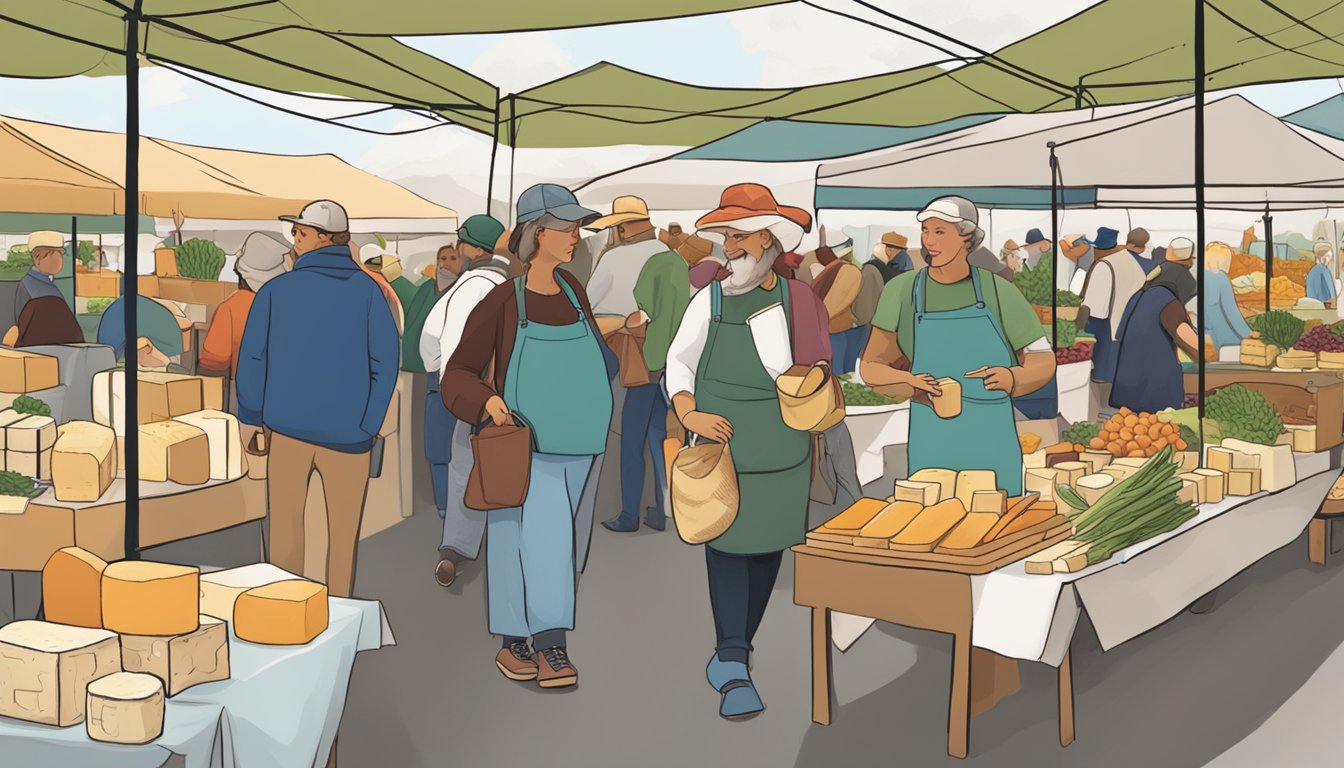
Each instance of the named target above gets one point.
<point>720,673</point>
<point>655,519</point>
<point>620,526</point>
<point>443,513</point>
<point>740,701</point>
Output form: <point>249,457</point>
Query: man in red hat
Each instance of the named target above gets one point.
<point>722,390</point>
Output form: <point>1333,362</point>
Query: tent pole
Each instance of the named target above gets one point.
<point>1056,251</point>
<point>513,153</point>
<point>1269,252</point>
<point>494,150</point>
<point>1199,209</point>
<point>130,268</point>
<point>74,257</point>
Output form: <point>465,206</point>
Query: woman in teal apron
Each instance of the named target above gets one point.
<point>550,373</point>
<point>950,320</point>
<point>722,391</point>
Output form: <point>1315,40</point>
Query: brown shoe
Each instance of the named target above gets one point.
<point>554,669</point>
<point>517,662</point>
<point>445,573</point>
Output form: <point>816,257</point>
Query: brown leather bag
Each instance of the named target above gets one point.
<point>628,344</point>
<point>501,466</point>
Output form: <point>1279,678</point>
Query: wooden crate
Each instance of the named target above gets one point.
<point>1317,395</point>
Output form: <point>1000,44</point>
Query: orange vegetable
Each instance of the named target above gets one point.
<point>1143,440</point>
<point>1059,448</point>
<point>1131,421</point>
<point>1029,441</point>
<point>1079,447</point>
<point>1136,454</point>
<point>1180,444</point>
<point>1097,444</point>
<point>1126,435</point>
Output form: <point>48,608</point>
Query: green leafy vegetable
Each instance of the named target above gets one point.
<point>1068,299</point>
<point>1036,283</point>
<point>14,484</point>
<point>1282,329</point>
<point>31,406</point>
<point>1068,332</point>
<point>99,305</point>
<point>1082,432</point>
<point>1244,414</point>
<point>1190,437</point>
<point>1135,509</point>
<point>858,395</point>
<point>1069,496</point>
<point>200,259</point>
<point>19,255</point>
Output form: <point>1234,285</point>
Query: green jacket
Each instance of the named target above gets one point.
<point>663,291</point>
<point>405,290</point>
<point>417,310</point>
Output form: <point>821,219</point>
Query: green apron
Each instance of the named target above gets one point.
<point>557,381</point>
<point>949,344</point>
<point>773,461</point>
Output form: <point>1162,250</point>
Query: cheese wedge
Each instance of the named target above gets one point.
<point>945,478</point>
<point>1275,463</point>
<point>852,520</point>
<point>891,520</point>
<point>1093,487</point>
<point>226,445</point>
<point>923,494</point>
<point>970,532</point>
<point>930,526</point>
<point>1070,472</point>
<point>1016,507</point>
<point>72,588</point>
<point>84,461</point>
<point>1243,482</point>
<point>44,669</point>
<point>145,598</point>
<point>1189,491</point>
<point>1095,460</point>
<point>1040,482</point>
<point>126,708</point>
<point>1210,485</point>
<point>166,396</point>
<point>31,434</point>
<point>171,451</point>
<point>971,480</point>
<point>290,612</point>
<point>181,661</point>
<point>993,502</point>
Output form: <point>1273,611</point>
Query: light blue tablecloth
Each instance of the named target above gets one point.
<point>280,707</point>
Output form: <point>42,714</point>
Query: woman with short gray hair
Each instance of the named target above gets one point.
<point>1320,281</point>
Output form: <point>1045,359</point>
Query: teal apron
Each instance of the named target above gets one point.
<point>557,380</point>
<point>948,345</point>
<point>773,461</point>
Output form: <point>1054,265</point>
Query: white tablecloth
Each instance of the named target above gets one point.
<point>1032,617</point>
<point>280,707</point>
<point>873,428</point>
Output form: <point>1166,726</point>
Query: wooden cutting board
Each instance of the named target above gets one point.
<point>1004,551</point>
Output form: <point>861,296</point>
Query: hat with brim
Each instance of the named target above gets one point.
<point>557,201</point>
<point>1105,240</point>
<point>45,239</point>
<point>895,240</point>
<point>951,209</point>
<point>623,211</point>
<point>753,208</point>
<point>481,231</point>
<point>1035,236</point>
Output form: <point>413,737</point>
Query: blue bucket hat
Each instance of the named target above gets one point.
<point>541,199</point>
<point>1105,240</point>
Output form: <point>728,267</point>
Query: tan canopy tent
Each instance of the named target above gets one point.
<point>55,169</point>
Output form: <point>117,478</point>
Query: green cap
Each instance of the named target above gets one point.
<point>481,231</point>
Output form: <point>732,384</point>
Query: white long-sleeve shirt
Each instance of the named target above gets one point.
<point>683,355</point>
<point>448,317</point>
<point>1110,285</point>
<point>611,289</point>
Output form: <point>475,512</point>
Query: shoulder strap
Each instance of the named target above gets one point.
<point>788,307</point>
<point>518,294</point>
<point>715,301</point>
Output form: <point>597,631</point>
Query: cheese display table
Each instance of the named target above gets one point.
<point>168,512</point>
<point>280,707</point>
<point>1033,617</point>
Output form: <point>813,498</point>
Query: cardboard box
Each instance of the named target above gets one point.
<point>211,293</point>
<point>24,372</point>
<point>165,395</point>
<point>165,262</point>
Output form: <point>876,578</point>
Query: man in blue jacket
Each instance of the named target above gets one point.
<point>316,369</point>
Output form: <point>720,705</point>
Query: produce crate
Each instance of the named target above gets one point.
<point>1316,395</point>
<point>211,293</point>
<point>107,284</point>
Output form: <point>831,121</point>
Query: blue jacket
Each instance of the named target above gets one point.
<point>1320,283</point>
<point>1222,319</point>
<point>318,360</point>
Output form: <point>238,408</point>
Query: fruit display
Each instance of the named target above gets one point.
<point>1138,435</point>
<point>857,394</point>
<point>1241,413</point>
<point>200,259</point>
<point>1080,352</point>
<point>1278,328</point>
<point>1322,338</point>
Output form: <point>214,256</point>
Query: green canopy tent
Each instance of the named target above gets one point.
<point>1326,117</point>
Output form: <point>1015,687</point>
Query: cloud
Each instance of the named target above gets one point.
<point>523,60</point>
<point>161,88</point>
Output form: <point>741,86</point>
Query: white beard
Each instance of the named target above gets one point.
<point>746,273</point>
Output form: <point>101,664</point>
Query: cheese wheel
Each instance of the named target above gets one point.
<point>226,444</point>
<point>31,434</point>
<point>182,661</point>
<point>72,588</point>
<point>1093,487</point>
<point>125,708</point>
<point>44,669</point>
<point>144,598</point>
<point>292,612</point>
<point>171,451</point>
<point>7,417</point>
<point>84,461</point>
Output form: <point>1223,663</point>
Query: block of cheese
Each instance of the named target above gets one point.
<point>1189,491</point>
<point>890,521</point>
<point>84,461</point>
<point>166,396</point>
<point>72,588</point>
<point>923,494</point>
<point>930,526</point>
<point>945,478</point>
<point>1211,484</point>
<point>1070,472</point>
<point>171,451</point>
<point>30,434</point>
<point>1243,482</point>
<point>1034,460</point>
<point>1043,562</point>
<point>1119,471</point>
<point>970,532</point>
<point>851,521</point>
<point>183,660</point>
<point>44,669</point>
<point>1058,452</point>
<point>226,445</point>
<point>1188,461</point>
<point>1296,359</point>
<point>145,598</point>
<point>1040,482</point>
<point>1302,438</point>
<point>7,417</point>
<point>22,372</point>
<point>1219,458</point>
<point>948,404</point>
<point>1095,460</point>
<point>1017,506</point>
<point>971,480</point>
<point>109,400</point>
<point>1132,463</point>
<point>34,465</point>
<point>217,599</point>
<point>125,708</point>
<point>292,612</point>
<point>1093,487</point>
<point>1214,477</point>
<point>992,502</point>
<point>1275,463</point>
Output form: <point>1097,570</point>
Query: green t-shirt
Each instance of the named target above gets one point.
<point>896,308</point>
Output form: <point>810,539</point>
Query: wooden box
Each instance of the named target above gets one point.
<point>22,372</point>
<point>1317,396</point>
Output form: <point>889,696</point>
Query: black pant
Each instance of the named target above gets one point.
<point>739,589</point>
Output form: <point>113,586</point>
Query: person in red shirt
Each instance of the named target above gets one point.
<point>260,259</point>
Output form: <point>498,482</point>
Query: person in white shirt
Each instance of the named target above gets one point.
<point>482,271</point>
<point>1113,280</point>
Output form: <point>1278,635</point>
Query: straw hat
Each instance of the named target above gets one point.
<point>624,210</point>
<point>752,208</point>
<point>895,240</point>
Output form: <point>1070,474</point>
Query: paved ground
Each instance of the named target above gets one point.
<point>1254,683</point>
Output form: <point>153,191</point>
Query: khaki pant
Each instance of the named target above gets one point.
<point>345,479</point>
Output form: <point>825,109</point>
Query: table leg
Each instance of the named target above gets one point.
<point>1066,726</point>
<point>821,666</point>
<point>1317,537</point>
<point>959,713</point>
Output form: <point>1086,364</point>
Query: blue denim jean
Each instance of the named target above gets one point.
<point>463,528</point>
<point>846,347</point>
<point>643,423</point>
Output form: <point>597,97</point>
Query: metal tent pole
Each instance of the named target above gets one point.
<point>130,268</point>
<point>74,257</point>
<point>1056,251</point>
<point>513,152</point>
<point>1199,208</point>
<point>1269,253</point>
<point>494,151</point>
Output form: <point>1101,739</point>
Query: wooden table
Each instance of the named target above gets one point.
<point>1318,533</point>
<point>869,585</point>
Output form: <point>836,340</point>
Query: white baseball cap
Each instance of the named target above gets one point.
<point>323,215</point>
<point>951,209</point>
